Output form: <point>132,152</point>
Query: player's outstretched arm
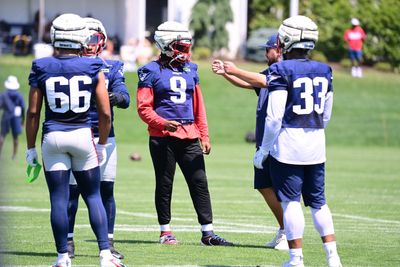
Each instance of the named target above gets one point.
<point>103,109</point>
<point>218,68</point>
<point>255,79</point>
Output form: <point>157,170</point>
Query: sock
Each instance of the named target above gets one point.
<point>296,255</point>
<point>70,236</point>
<point>105,253</point>
<point>207,227</point>
<point>62,256</point>
<point>330,249</point>
<point>110,236</point>
<point>165,228</point>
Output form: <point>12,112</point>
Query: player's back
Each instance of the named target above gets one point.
<point>302,137</point>
<point>67,84</point>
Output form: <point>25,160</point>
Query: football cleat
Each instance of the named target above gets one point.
<point>279,242</point>
<point>64,262</point>
<point>334,261</point>
<point>111,262</point>
<point>215,240</point>
<point>291,263</point>
<point>168,239</point>
<point>114,252</point>
<point>71,249</point>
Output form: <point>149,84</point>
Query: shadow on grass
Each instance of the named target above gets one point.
<point>38,254</point>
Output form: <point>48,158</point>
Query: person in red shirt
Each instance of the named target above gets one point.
<point>170,102</point>
<point>355,37</point>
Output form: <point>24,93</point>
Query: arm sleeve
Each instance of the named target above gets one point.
<point>199,110</point>
<point>118,87</point>
<point>145,101</point>
<point>328,108</point>
<point>273,122</point>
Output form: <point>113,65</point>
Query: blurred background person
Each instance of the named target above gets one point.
<point>13,105</point>
<point>355,37</point>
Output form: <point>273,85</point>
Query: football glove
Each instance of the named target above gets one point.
<point>259,158</point>
<point>115,98</point>
<point>31,157</point>
<point>101,151</point>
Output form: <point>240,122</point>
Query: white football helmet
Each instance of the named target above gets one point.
<point>69,31</point>
<point>298,32</point>
<point>174,40</point>
<point>97,37</point>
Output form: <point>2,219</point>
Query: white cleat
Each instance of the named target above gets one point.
<point>110,262</point>
<point>64,262</point>
<point>279,242</point>
<point>293,264</point>
<point>334,261</point>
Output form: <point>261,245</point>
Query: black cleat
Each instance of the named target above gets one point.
<point>114,252</point>
<point>215,240</point>
<point>71,249</point>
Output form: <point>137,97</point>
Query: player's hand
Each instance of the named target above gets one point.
<point>218,67</point>
<point>101,151</point>
<point>171,126</point>
<point>205,146</point>
<point>259,158</point>
<point>114,98</point>
<point>31,157</point>
<point>230,67</point>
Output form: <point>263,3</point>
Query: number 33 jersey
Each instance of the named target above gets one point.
<point>68,84</point>
<point>305,110</point>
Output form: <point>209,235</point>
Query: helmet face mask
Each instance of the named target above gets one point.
<point>97,37</point>
<point>181,50</point>
<point>174,40</point>
<point>95,44</point>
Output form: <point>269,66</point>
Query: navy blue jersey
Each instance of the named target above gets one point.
<point>173,89</point>
<point>67,84</point>
<point>115,83</point>
<point>261,112</point>
<point>307,83</point>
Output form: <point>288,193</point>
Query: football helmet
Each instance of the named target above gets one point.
<point>297,32</point>
<point>69,31</point>
<point>174,40</point>
<point>97,37</point>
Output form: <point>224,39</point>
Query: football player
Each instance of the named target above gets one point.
<point>13,105</point>
<point>67,83</point>
<point>258,82</point>
<point>170,101</point>
<point>299,108</point>
<point>119,97</point>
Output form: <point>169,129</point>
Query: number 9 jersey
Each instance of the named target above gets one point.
<point>67,84</point>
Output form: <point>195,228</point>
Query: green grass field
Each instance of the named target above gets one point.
<point>362,184</point>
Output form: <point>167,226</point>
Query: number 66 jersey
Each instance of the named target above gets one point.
<point>68,84</point>
<point>299,108</point>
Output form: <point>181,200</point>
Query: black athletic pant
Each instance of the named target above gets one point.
<point>165,153</point>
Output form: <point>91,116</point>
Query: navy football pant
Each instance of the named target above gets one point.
<point>107,196</point>
<point>166,152</point>
<point>89,183</point>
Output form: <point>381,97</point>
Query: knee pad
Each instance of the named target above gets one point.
<point>323,221</point>
<point>293,219</point>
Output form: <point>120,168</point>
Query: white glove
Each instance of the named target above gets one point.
<point>259,158</point>
<point>101,151</point>
<point>31,157</point>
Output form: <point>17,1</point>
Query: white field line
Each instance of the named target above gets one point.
<point>152,216</point>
